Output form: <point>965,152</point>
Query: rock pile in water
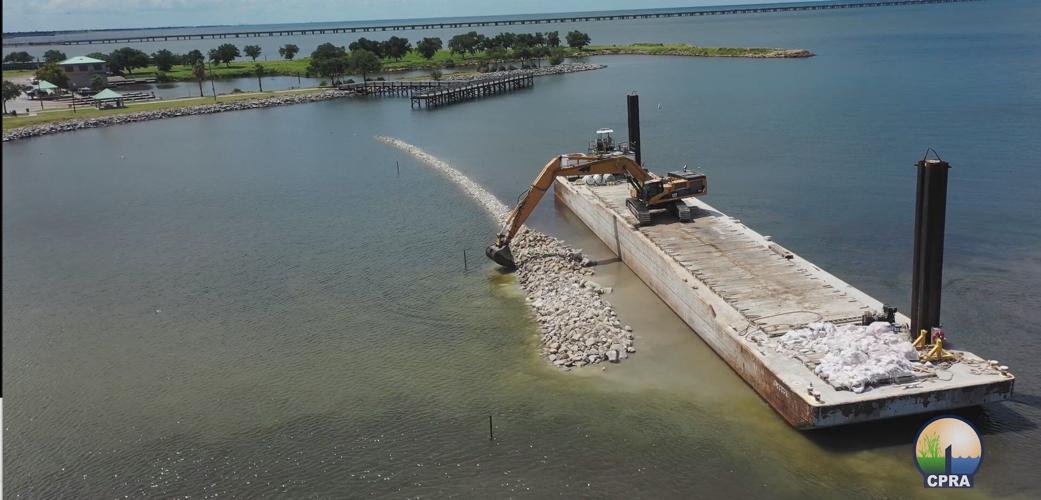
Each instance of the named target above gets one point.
<point>104,121</point>
<point>578,327</point>
<point>542,71</point>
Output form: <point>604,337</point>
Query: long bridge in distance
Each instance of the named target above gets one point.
<point>434,25</point>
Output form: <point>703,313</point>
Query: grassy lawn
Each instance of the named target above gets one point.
<point>59,115</point>
<point>18,73</point>
<point>237,69</point>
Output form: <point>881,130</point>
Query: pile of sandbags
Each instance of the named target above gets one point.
<point>854,356</point>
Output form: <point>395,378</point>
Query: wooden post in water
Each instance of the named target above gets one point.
<point>466,267</point>
<point>491,430</point>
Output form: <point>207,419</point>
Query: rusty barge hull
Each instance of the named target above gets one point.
<point>735,287</point>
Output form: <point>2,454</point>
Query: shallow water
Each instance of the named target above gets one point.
<point>255,302</point>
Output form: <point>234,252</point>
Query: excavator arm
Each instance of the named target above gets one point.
<point>564,165</point>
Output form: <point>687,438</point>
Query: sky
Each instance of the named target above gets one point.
<point>46,15</point>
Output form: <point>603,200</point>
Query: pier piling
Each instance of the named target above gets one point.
<point>930,219</point>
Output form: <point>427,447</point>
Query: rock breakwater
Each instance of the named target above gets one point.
<point>158,114</point>
<point>559,69</point>
<point>577,326</point>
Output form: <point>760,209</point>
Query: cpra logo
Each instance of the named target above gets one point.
<point>948,452</point>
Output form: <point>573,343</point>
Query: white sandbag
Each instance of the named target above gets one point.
<point>855,356</point>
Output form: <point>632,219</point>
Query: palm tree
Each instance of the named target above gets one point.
<point>199,72</point>
<point>259,70</point>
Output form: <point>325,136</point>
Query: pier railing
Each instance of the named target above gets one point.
<point>471,89</point>
<point>435,93</point>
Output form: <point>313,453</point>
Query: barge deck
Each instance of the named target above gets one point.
<point>738,290</point>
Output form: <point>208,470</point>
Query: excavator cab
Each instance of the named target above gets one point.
<point>650,189</point>
<point>604,143</point>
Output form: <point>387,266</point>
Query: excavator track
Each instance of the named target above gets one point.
<point>683,212</point>
<point>639,210</point>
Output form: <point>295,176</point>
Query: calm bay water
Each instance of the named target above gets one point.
<point>252,303</point>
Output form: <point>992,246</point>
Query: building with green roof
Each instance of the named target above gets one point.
<point>83,69</point>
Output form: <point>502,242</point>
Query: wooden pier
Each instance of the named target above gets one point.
<point>396,88</point>
<point>475,23</point>
<point>471,89</point>
<point>431,94</point>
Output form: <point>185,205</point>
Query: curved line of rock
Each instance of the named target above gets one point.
<point>577,325</point>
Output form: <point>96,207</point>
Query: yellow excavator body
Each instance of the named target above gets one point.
<point>647,192</point>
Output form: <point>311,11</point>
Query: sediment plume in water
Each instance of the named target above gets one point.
<point>577,326</point>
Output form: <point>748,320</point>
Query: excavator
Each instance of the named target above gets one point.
<point>647,191</point>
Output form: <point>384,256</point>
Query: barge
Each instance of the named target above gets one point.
<point>739,291</point>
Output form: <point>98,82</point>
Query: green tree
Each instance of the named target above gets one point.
<point>227,52</point>
<point>556,56</point>
<point>54,74</point>
<point>553,39</point>
<point>522,52</point>
<point>504,40</point>
<point>435,75</point>
<point>194,57</point>
<point>496,53</point>
<point>576,39</point>
<point>366,44</point>
<point>465,42</point>
<point>252,51</point>
<point>54,56</point>
<point>259,71</point>
<point>396,47</point>
<point>328,60</point>
<point>525,39</point>
<point>288,51</point>
<point>11,92</point>
<point>365,62</point>
<point>164,60</point>
<point>18,57</point>
<point>199,72</point>
<point>539,53</point>
<point>427,47</point>
<point>98,83</point>
<point>126,59</point>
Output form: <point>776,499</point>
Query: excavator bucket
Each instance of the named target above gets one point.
<point>501,255</point>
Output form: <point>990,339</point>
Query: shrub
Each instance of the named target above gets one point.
<point>323,83</point>
<point>162,77</point>
<point>236,90</point>
<point>380,79</point>
<point>450,63</point>
<point>349,80</point>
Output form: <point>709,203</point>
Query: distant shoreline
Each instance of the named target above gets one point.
<point>444,59</point>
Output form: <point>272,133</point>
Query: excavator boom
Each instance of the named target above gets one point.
<point>566,166</point>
